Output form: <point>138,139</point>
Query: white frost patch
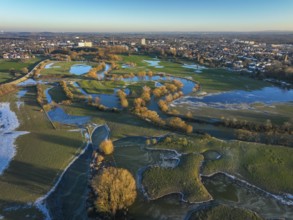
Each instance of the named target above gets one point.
<point>48,66</point>
<point>216,105</point>
<point>197,68</point>
<point>1,217</point>
<point>21,93</point>
<point>154,63</point>
<point>8,124</point>
<point>19,104</point>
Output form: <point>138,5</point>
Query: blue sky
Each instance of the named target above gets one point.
<point>142,15</point>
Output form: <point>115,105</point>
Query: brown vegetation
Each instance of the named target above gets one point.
<point>179,124</point>
<point>107,147</point>
<point>7,88</point>
<point>40,94</point>
<point>115,189</point>
<point>93,71</point>
<point>66,90</point>
<point>123,100</point>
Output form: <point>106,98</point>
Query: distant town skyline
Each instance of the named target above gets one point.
<point>146,16</point>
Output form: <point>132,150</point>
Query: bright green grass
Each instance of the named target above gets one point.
<point>184,178</point>
<point>216,80</point>
<point>104,87</point>
<point>5,76</point>
<point>6,65</point>
<point>41,156</point>
<point>137,59</point>
<point>267,166</point>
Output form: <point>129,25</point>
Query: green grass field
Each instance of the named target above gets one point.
<point>184,178</point>
<point>6,65</point>
<point>104,87</point>
<point>4,77</point>
<point>41,156</point>
<point>266,166</point>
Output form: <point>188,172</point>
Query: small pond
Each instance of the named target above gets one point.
<point>154,63</point>
<point>59,115</point>
<point>79,69</point>
<point>211,155</point>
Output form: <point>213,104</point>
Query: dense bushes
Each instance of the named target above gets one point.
<point>146,94</point>
<point>107,147</point>
<point>40,94</point>
<point>115,190</point>
<point>66,90</point>
<point>123,100</point>
<point>93,71</point>
<point>6,88</point>
<point>179,124</point>
<point>267,126</point>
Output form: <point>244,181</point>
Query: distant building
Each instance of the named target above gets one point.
<point>85,44</point>
<point>142,41</point>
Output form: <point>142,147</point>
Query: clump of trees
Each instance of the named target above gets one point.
<point>167,88</point>
<point>160,91</point>
<point>93,71</point>
<point>150,73</point>
<point>178,84</point>
<point>38,69</point>
<point>66,90</point>
<point>146,94</point>
<point>196,87</point>
<point>123,100</point>
<point>163,105</point>
<point>141,74</point>
<point>179,124</point>
<point>107,147</point>
<point>127,76</point>
<point>40,94</point>
<point>143,112</point>
<point>7,88</point>
<point>114,189</point>
<point>266,126</point>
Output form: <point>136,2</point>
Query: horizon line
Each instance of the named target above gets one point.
<point>254,31</point>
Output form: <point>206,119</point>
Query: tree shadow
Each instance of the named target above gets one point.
<point>28,177</point>
<point>58,139</point>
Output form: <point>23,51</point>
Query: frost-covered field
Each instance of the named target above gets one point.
<point>8,124</point>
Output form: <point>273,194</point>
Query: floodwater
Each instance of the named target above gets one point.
<point>154,63</point>
<point>240,99</point>
<point>79,69</point>
<point>196,67</point>
<point>59,115</point>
